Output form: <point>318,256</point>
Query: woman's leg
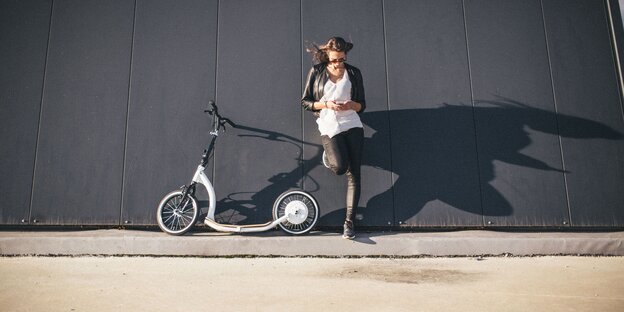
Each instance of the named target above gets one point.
<point>336,152</point>
<point>354,141</point>
<point>344,155</point>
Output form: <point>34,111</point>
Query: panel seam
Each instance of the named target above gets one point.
<point>615,54</point>
<point>45,72</point>
<point>474,118</point>
<point>214,151</point>
<point>554,96</point>
<point>302,112</point>
<point>392,173</point>
<point>125,154</point>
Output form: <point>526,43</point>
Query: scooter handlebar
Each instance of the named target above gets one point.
<point>212,108</point>
<point>222,121</point>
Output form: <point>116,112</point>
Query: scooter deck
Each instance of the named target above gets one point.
<point>213,223</point>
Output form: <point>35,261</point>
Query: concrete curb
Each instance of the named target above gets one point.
<point>460,243</point>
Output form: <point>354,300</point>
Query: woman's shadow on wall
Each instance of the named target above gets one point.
<point>434,154</point>
<point>433,158</point>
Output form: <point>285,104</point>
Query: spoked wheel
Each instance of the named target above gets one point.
<point>301,209</point>
<point>177,215</point>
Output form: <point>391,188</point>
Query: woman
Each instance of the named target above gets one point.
<point>334,90</point>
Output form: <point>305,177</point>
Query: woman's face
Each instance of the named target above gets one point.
<point>336,59</point>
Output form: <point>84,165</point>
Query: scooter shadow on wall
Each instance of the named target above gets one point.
<point>434,154</point>
<point>434,158</point>
<point>249,207</point>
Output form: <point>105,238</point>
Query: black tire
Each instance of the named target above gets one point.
<point>306,211</point>
<point>176,215</point>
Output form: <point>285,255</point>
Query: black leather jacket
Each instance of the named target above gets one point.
<point>317,77</point>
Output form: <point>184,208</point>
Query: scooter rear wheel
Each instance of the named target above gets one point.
<point>301,208</point>
<point>177,215</point>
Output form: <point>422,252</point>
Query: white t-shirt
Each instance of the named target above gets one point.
<point>331,122</point>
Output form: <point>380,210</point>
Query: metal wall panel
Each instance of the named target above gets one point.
<point>433,142</point>
<point>173,78</point>
<point>522,183</point>
<point>617,29</point>
<point>590,110</point>
<point>78,170</point>
<point>258,57</point>
<point>360,22</point>
<point>24,27</point>
<point>475,109</point>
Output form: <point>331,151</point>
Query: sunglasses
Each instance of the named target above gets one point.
<point>340,60</point>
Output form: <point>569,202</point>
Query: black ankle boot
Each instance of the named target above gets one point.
<point>349,232</point>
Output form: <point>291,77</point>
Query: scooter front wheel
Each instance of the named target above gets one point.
<point>301,209</point>
<point>177,215</point>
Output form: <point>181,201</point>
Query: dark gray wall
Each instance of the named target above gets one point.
<point>258,87</point>
<point>515,122</point>
<point>79,155</point>
<point>172,79</point>
<point>24,27</point>
<point>480,112</point>
<point>434,157</point>
<point>590,119</point>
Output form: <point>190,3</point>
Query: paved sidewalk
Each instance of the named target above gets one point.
<point>276,243</point>
<point>312,284</point>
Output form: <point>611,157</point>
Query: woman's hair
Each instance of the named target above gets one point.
<point>319,53</point>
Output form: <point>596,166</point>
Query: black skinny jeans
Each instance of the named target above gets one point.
<point>344,155</point>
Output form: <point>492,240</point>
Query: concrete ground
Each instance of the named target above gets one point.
<point>561,283</point>
<point>318,243</point>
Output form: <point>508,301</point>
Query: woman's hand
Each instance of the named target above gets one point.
<point>352,105</point>
<point>344,106</point>
<point>334,106</point>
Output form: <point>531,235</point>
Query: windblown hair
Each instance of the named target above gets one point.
<point>337,44</point>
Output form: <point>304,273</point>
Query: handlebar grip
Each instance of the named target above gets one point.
<point>228,121</point>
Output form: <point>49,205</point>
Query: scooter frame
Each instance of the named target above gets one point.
<point>295,211</point>
<point>200,177</point>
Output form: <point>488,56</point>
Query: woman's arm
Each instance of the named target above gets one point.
<point>359,102</point>
<point>307,100</point>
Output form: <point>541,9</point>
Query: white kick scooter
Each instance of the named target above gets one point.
<point>295,211</point>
